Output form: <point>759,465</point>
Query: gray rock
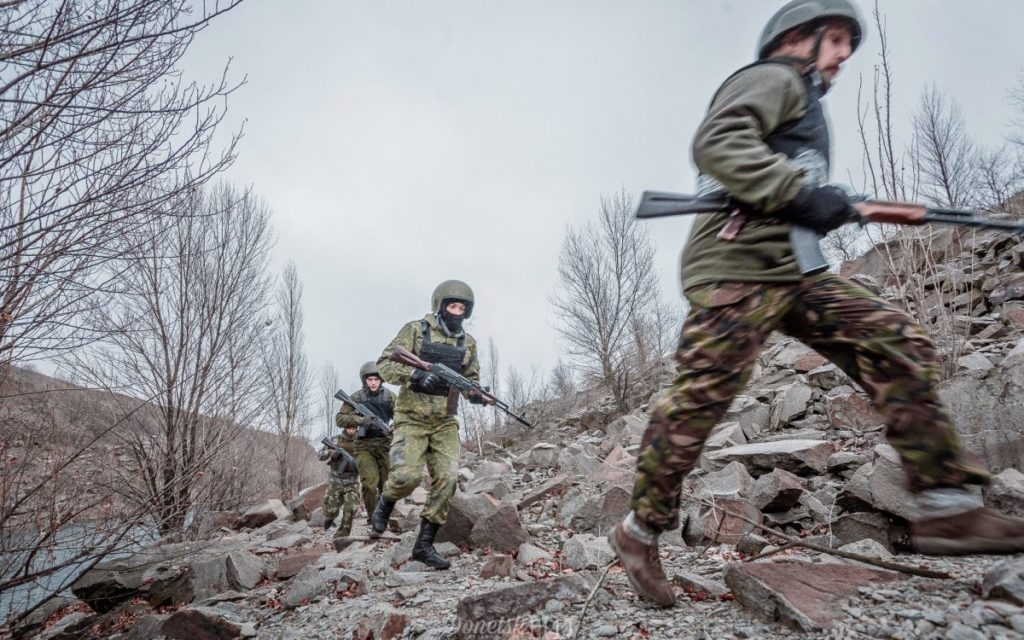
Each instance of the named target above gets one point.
<point>309,500</point>
<point>776,491</point>
<point>882,484</point>
<point>203,623</point>
<point>492,613</point>
<point>752,415</point>
<point>1005,581</point>
<point>304,587</point>
<point>1006,493</point>
<point>726,434</point>
<point>464,511</point>
<point>801,457</point>
<point>501,530</point>
<point>542,456</point>
<point>789,404</point>
<point>528,554</point>
<point>244,569</point>
<point>491,485</point>
<point>69,627</point>
<point>585,551</point>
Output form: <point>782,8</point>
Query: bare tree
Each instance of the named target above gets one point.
<point>608,286</point>
<point>187,329</point>
<point>944,152</point>
<point>328,383</point>
<point>287,378</point>
<point>99,133</point>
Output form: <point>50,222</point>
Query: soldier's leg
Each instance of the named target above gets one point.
<point>721,337</point>
<point>443,465</point>
<point>407,458</point>
<point>381,453</point>
<point>442,459</point>
<point>350,504</point>
<point>332,500</point>
<point>369,479</point>
<point>720,341</point>
<point>894,360</point>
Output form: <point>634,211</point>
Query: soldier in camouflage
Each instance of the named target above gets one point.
<point>426,431</point>
<point>764,142</point>
<point>371,449</point>
<point>342,488</point>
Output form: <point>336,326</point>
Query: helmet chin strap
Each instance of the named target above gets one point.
<point>812,62</point>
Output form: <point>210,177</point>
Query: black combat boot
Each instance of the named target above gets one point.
<point>381,516</point>
<point>424,550</point>
<point>328,523</point>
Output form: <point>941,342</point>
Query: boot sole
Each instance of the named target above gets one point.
<point>640,590</point>
<point>934,546</point>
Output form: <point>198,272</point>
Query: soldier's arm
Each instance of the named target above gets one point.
<point>347,416</point>
<point>391,371</point>
<point>730,143</point>
<point>324,454</point>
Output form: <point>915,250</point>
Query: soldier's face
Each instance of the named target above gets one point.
<point>372,383</point>
<point>836,47</point>
<point>456,308</point>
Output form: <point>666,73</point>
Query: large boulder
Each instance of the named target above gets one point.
<point>493,614</point>
<point>263,513</point>
<point>501,530</point>
<point>309,500</point>
<point>464,511</point>
<point>802,457</point>
<point>542,456</point>
<point>989,411</point>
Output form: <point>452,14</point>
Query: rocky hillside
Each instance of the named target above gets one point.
<point>799,460</point>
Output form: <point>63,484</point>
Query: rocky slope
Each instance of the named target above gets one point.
<point>801,453</point>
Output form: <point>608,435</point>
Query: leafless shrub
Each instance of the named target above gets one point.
<point>287,379</point>
<point>611,318</point>
<point>186,329</point>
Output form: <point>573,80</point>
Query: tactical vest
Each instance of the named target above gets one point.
<point>377,403</point>
<point>804,141</point>
<point>440,353</point>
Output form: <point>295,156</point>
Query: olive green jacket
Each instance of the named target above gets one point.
<point>730,148</point>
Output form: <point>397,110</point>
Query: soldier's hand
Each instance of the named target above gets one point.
<point>366,421</point>
<point>335,455</point>
<point>425,380</point>
<point>820,208</point>
<point>475,397</point>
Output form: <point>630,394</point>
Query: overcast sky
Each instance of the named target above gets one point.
<point>402,143</point>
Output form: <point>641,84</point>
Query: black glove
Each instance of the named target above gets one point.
<point>475,397</point>
<point>366,421</point>
<point>335,455</point>
<point>820,208</point>
<point>424,381</point>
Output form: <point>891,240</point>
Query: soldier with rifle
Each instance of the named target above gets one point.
<point>343,483</point>
<point>369,409</point>
<point>426,431</point>
<point>764,144</point>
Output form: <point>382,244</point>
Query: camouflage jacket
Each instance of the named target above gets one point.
<point>348,444</point>
<point>347,416</point>
<point>420,406</point>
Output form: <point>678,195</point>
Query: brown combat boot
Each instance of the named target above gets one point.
<point>641,561</point>
<point>980,530</point>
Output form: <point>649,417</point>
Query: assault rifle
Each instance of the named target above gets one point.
<point>456,380</point>
<point>658,204</point>
<point>345,460</point>
<point>363,410</point>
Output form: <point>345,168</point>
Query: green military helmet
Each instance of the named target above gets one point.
<point>798,13</point>
<point>368,369</point>
<point>453,290</point>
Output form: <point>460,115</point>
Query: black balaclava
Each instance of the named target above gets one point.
<point>451,322</point>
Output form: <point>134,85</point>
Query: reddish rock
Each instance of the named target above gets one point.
<point>499,566</point>
<point>308,501</point>
<point>802,596</point>
<point>501,530</point>
<point>715,525</point>
<point>384,622</point>
<point>809,362</point>
<point>852,412</point>
<point>294,561</point>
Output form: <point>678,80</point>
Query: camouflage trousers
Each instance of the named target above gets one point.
<point>882,348</point>
<point>435,444</point>
<point>342,495</point>
<point>371,456</point>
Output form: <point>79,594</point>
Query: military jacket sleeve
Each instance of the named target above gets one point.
<point>347,416</point>
<point>392,372</point>
<point>730,143</point>
<point>471,364</point>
